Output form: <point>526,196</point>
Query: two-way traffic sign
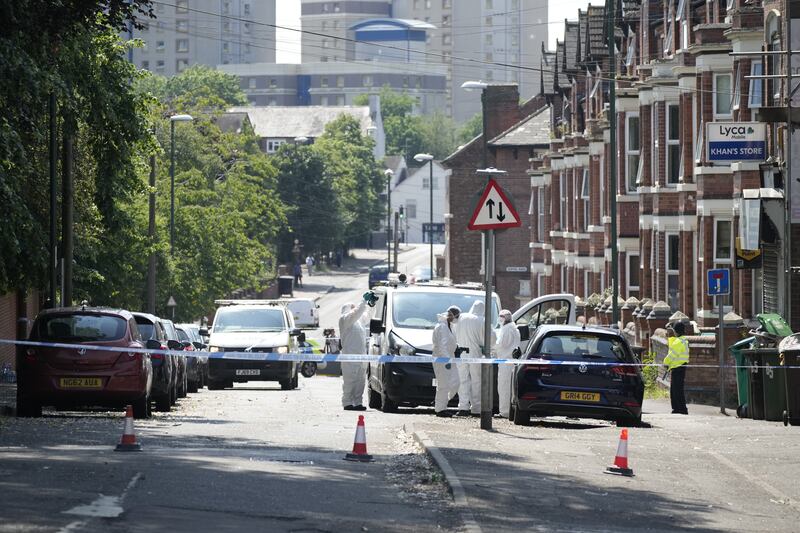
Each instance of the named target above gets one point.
<point>494,211</point>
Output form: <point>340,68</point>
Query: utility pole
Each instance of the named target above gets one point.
<point>389,173</point>
<point>171,187</point>
<point>151,238</point>
<point>787,182</point>
<point>67,218</point>
<point>396,233</point>
<point>612,121</point>
<point>53,201</point>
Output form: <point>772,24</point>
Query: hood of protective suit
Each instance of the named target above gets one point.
<point>346,308</point>
<point>478,308</point>
<point>442,317</point>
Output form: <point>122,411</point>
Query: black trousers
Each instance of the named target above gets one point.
<point>676,394</point>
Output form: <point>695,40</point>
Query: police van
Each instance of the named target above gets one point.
<point>402,323</point>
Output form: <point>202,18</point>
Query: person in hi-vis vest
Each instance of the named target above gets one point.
<point>676,361</point>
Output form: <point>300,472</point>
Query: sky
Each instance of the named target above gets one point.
<point>289,15</point>
<point>557,11</point>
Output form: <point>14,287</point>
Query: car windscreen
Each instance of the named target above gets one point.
<point>419,309</point>
<point>379,270</point>
<point>580,347</point>
<point>244,319</point>
<point>80,328</point>
<point>182,336</point>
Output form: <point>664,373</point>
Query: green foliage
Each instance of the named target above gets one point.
<point>470,129</point>
<point>650,375</point>
<point>408,134</point>
<point>197,87</point>
<point>355,175</point>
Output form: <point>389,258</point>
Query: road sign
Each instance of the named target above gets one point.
<point>494,211</point>
<point>719,282</point>
<point>171,302</point>
<point>736,141</point>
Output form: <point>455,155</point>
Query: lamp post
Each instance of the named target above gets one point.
<point>388,173</point>
<point>172,120</point>
<point>429,158</point>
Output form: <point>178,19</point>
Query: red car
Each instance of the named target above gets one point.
<point>78,377</point>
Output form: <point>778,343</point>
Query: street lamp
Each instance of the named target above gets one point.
<point>429,158</point>
<point>388,173</point>
<point>172,120</point>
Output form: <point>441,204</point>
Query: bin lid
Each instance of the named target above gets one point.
<point>774,324</point>
<point>790,343</point>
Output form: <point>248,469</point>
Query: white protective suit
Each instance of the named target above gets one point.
<point>470,335</point>
<point>354,341</point>
<point>507,340</point>
<point>444,345</point>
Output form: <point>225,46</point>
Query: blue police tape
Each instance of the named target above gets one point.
<point>352,358</point>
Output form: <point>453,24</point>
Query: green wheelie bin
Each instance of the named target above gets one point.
<point>774,385</point>
<point>755,397</point>
<point>790,359</point>
<point>742,375</point>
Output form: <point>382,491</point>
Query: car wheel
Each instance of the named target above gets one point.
<point>387,405</point>
<point>296,380</point>
<point>374,398</point>
<point>308,369</point>
<point>193,386</point>
<point>141,407</point>
<point>173,394</point>
<point>184,385</point>
<point>511,412</point>
<point>164,403</point>
<point>629,422</point>
<point>286,384</point>
<point>28,407</point>
<point>521,418</point>
<point>215,385</point>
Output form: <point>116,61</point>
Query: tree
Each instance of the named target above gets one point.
<point>356,176</point>
<point>197,87</point>
<point>470,129</point>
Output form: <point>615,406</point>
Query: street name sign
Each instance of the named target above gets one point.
<point>719,282</point>
<point>736,141</point>
<point>494,211</point>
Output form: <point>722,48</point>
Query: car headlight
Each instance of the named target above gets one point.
<point>283,349</point>
<point>399,347</point>
<point>214,349</point>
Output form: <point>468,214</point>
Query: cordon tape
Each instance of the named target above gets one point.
<point>256,355</point>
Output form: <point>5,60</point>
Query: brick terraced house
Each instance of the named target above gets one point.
<point>680,66</point>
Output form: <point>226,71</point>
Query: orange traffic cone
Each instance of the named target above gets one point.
<point>128,442</point>
<point>359,444</point>
<point>620,466</point>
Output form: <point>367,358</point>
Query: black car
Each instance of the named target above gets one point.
<point>195,365</point>
<point>164,367</point>
<point>570,382</point>
<point>378,273</point>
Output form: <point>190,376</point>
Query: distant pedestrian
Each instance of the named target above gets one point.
<point>310,265</point>
<point>676,360</point>
<point>338,259</point>
<point>298,275</point>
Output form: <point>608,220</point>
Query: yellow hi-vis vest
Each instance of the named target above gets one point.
<point>678,352</point>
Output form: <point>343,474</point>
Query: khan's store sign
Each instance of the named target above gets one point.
<point>736,141</point>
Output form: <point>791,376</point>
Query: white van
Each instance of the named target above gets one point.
<point>305,312</point>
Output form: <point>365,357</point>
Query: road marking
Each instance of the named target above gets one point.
<point>102,507</point>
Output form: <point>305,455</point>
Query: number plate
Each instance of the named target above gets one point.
<point>81,383</point>
<point>433,382</point>
<point>580,396</point>
<point>248,372</point>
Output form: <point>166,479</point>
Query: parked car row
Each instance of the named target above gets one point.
<point>73,377</point>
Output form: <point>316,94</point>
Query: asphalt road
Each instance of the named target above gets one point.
<point>256,458</point>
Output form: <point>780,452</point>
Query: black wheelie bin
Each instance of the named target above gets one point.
<point>790,359</point>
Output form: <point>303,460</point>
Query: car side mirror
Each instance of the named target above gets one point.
<point>203,332</point>
<point>174,345</point>
<point>296,332</point>
<point>186,344</point>
<point>524,332</point>
<point>301,338</point>
<point>198,345</point>
<point>152,344</point>
<point>376,326</point>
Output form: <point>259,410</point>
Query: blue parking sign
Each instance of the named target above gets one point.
<point>719,282</point>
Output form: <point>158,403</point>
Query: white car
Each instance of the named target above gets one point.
<point>305,312</point>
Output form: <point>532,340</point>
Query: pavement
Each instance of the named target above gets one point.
<point>703,472</point>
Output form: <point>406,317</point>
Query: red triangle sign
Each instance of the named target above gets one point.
<point>494,211</point>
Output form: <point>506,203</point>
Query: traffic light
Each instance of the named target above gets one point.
<point>402,212</point>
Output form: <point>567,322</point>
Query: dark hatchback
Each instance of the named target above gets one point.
<point>377,274</point>
<point>164,366</point>
<point>570,382</point>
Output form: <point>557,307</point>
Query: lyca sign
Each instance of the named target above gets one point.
<point>736,141</point>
